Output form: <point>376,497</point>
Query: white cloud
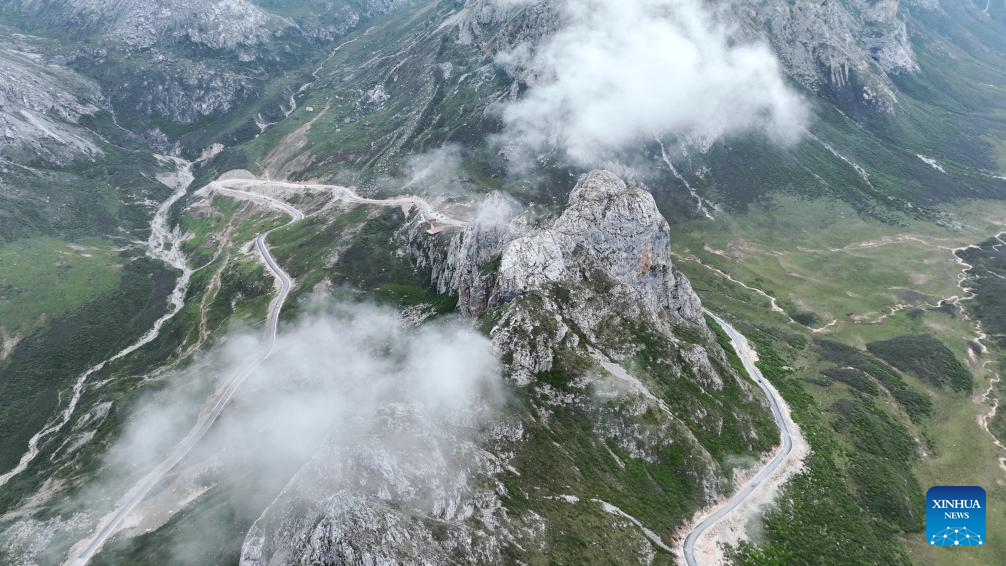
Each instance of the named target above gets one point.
<point>436,171</point>
<point>621,72</point>
<point>336,379</point>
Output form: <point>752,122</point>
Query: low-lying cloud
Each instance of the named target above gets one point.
<point>435,169</point>
<point>337,378</point>
<point>622,72</point>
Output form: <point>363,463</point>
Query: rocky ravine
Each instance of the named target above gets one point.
<point>568,297</point>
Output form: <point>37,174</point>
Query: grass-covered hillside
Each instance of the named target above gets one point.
<point>879,361</point>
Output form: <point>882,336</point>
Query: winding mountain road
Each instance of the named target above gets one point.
<point>240,188</point>
<point>246,186</point>
<point>787,429</point>
<point>84,550</point>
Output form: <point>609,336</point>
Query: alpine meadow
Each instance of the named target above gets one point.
<point>493,282</point>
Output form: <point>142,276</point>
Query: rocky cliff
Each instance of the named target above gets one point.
<point>604,261</point>
<point>609,234</point>
<point>848,48</point>
<point>410,488</point>
<point>610,238</point>
<point>826,46</point>
<point>41,104</point>
<point>218,24</point>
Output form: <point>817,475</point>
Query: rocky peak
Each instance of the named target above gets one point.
<point>136,24</point>
<point>612,236</point>
<point>614,227</point>
<point>608,255</point>
<point>608,235</point>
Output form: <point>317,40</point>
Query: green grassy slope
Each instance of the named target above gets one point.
<point>884,424</point>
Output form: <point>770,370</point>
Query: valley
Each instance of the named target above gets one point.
<point>110,524</point>
<point>400,281</point>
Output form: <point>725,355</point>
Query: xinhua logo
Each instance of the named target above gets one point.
<point>955,516</point>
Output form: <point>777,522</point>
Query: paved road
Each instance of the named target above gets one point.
<point>246,186</point>
<point>83,551</point>
<point>295,214</point>
<point>272,322</point>
<point>747,357</point>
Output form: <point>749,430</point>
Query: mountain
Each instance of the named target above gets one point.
<point>469,281</point>
<point>542,276</point>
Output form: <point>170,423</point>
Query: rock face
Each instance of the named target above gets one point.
<point>216,24</point>
<point>498,26</point>
<point>462,265</point>
<point>41,105</point>
<point>606,258</point>
<point>838,45</point>
<point>608,233</point>
<point>610,236</point>
<point>847,47</point>
<point>412,488</point>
